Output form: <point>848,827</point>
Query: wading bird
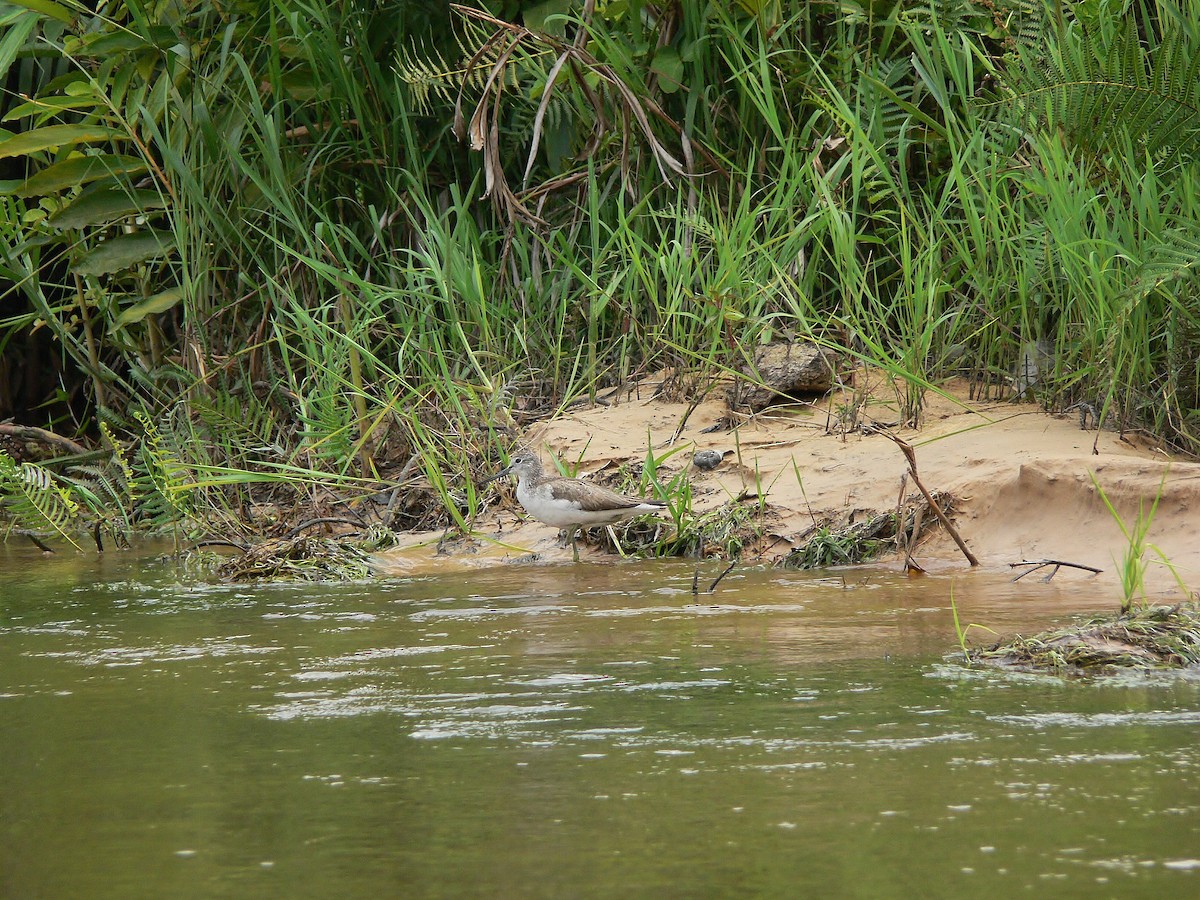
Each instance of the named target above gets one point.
<point>568,502</point>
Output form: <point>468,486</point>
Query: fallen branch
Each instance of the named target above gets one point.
<point>696,574</point>
<point>729,568</point>
<point>911,456</point>
<point>42,436</point>
<point>219,542</point>
<point>1057,563</point>
<point>40,544</point>
<point>906,540</point>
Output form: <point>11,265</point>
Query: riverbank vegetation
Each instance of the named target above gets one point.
<point>1150,637</point>
<point>291,264</point>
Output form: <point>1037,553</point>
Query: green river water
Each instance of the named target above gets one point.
<point>571,731</point>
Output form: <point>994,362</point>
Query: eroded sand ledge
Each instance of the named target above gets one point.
<point>1020,476</point>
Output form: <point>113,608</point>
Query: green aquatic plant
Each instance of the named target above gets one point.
<point>723,531</point>
<point>1132,565</point>
<point>834,547</point>
<point>66,496</point>
<point>961,632</point>
<point>170,478</point>
<point>830,546</point>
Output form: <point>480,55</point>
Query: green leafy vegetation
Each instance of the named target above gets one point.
<point>843,544</point>
<point>324,261</point>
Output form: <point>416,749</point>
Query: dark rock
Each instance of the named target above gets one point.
<point>707,460</point>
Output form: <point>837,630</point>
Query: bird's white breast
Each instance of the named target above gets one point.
<point>544,504</point>
<point>540,503</point>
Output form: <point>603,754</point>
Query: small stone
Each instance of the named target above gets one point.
<point>707,460</point>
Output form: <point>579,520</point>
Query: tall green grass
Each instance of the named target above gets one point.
<point>342,299</point>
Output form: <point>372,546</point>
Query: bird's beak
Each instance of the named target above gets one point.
<point>499,474</point>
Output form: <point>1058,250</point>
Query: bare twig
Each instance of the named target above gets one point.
<point>696,401</point>
<point>905,537</point>
<point>918,518</point>
<point>218,542</point>
<point>911,456</point>
<point>1034,565</point>
<point>729,568</point>
<point>41,545</point>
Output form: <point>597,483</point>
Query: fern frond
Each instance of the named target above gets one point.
<point>524,116</point>
<point>106,497</point>
<point>1099,95</point>
<point>30,494</point>
<point>122,462</point>
<point>430,77</point>
<point>166,474</point>
<point>426,73</point>
<point>242,422</point>
<point>881,93</point>
<point>1023,23</point>
<point>1174,258</point>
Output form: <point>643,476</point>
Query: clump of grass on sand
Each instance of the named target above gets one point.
<point>1152,637</point>
<point>841,546</point>
<point>832,545</point>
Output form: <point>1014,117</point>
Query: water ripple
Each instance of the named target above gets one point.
<point>484,612</point>
<point>212,648</point>
<point>375,653</point>
<point>1101,720</point>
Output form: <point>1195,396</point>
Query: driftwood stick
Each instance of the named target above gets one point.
<point>900,542</point>
<point>911,564</point>
<point>39,543</point>
<point>1034,565</point>
<point>33,433</point>
<point>911,456</point>
<point>729,568</point>
<point>218,542</point>
<point>907,540</point>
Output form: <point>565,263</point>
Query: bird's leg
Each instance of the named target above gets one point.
<point>575,549</point>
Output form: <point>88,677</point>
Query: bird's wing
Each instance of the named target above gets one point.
<point>599,499</point>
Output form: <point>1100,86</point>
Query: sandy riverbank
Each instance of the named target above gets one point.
<point>1020,478</point>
